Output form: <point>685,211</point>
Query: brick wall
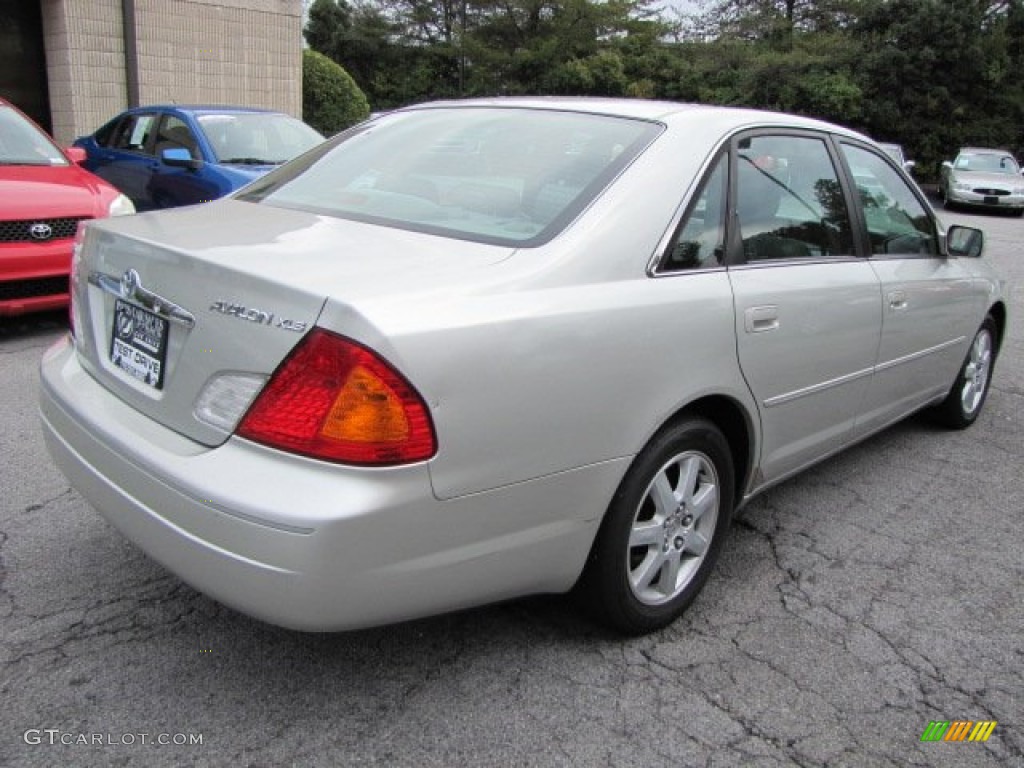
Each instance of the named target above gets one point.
<point>244,52</point>
<point>85,64</point>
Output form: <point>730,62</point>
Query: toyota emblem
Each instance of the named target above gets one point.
<point>129,282</point>
<point>40,231</point>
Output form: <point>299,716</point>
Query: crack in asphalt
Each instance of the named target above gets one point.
<point>930,681</point>
<point>68,491</point>
<point>6,599</point>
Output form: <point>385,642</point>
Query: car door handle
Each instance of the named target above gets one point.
<point>761,319</point>
<point>897,301</point>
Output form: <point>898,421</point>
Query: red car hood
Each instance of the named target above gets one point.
<point>51,191</point>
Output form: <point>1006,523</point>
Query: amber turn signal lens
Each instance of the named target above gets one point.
<point>366,410</point>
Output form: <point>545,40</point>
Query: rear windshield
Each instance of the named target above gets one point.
<point>495,175</point>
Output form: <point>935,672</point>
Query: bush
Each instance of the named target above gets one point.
<point>331,100</point>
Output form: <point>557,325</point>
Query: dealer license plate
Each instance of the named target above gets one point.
<point>138,343</point>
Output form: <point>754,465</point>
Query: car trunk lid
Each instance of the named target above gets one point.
<point>168,304</point>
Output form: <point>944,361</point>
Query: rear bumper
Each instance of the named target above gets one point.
<point>309,545</point>
<point>33,277</point>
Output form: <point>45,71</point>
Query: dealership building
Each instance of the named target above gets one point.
<point>73,64</point>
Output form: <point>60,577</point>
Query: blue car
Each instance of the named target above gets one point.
<point>165,156</point>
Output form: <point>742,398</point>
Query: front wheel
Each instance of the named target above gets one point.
<point>962,405</point>
<point>663,529</point>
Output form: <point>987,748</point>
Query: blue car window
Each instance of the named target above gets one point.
<point>134,133</point>
<point>175,134</point>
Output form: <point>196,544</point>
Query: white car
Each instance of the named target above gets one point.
<point>895,151</point>
<point>475,350</point>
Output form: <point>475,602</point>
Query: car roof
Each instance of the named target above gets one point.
<point>646,109</point>
<point>984,151</point>
<point>203,108</point>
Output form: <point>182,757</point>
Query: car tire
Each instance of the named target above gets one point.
<point>663,530</point>
<point>964,402</point>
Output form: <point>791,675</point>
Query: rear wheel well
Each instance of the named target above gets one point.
<point>732,420</point>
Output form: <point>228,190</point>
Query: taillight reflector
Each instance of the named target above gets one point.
<point>76,261</point>
<point>336,400</point>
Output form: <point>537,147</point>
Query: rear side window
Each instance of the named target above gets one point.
<point>700,241</point>
<point>105,134</point>
<point>496,175</point>
<point>789,202</point>
<point>134,132</point>
<point>898,222</point>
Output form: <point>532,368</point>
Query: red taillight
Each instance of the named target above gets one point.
<point>336,400</point>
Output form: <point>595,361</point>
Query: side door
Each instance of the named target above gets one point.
<point>928,298</point>
<point>127,160</point>
<point>807,308</point>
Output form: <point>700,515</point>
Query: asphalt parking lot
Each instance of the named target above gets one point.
<point>854,605</point>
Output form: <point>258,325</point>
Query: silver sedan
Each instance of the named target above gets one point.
<point>470,351</point>
<point>985,178</point>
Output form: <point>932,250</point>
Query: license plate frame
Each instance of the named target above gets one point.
<point>138,343</point>
<point>991,200</point>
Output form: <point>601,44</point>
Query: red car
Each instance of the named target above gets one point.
<point>43,196</point>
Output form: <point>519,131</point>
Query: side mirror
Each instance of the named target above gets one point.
<point>965,241</point>
<point>947,164</point>
<point>179,157</point>
<point>76,155</point>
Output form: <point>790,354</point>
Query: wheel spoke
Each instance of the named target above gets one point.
<point>704,500</point>
<point>697,544</point>
<point>670,573</point>
<point>663,496</point>
<point>689,470</point>
<point>646,534</point>
<point>642,576</point>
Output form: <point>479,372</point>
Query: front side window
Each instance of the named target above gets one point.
<point>789,202</point>
<point>497,175</point>
<point>897,221</point>
<point>174,133</point>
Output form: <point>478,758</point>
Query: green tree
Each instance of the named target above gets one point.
<point>360,39</point>
<point>938,74</point>
<point>331,100</point>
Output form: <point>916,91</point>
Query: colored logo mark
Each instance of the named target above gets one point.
<point>958,730</point>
